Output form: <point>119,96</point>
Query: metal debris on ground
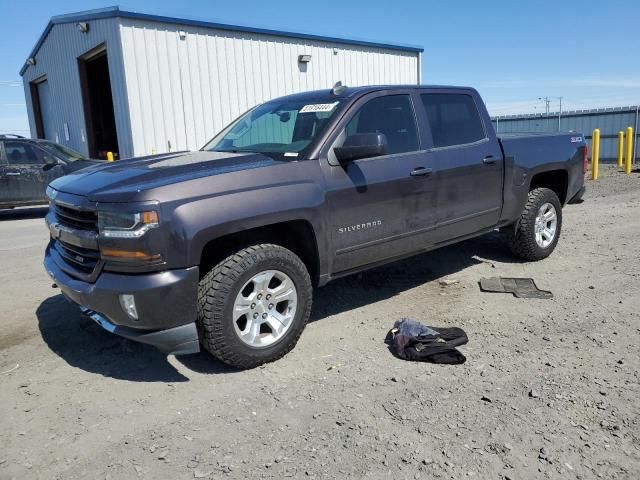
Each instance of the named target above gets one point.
<point>520,287</point>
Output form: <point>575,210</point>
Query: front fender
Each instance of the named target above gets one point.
<point>206,219</point>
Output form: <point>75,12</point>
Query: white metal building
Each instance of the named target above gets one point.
<point>136,84</point>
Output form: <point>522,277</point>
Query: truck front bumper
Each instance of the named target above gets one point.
<point>166,303</point>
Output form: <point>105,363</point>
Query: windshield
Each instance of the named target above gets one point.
<point>64,152</point>
<point>280,129</point>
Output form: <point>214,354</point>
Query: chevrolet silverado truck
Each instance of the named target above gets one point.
<point>221,248</point>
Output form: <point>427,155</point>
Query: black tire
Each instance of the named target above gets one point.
<point>217,292</point>
<point>523,241</point>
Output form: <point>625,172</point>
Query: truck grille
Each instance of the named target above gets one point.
<point>76,218</point>
<point>82,259</point>
<point>84,262</point>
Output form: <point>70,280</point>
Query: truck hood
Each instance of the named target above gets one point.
<point>123,178</point>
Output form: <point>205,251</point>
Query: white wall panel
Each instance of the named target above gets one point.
<point>57,59</point>
<point>182,92</point>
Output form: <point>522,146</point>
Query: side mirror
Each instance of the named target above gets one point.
<point>361,145</point>
<point>50,161</point>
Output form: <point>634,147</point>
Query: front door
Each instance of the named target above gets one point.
<point>25,173</point>
<point>469,165</point>
<point>380,207</point>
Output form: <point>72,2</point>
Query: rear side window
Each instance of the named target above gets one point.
<point>20,153</point>
<point>391,115</point>
<point>453,119</point>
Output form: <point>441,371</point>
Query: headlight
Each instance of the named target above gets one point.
<point>126,225</point>
<point>52,193</point>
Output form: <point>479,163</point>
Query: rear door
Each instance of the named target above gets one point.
<point>468,161</point>
<point>378,209</point>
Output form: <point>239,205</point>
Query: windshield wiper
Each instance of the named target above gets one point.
<point>235,151</point>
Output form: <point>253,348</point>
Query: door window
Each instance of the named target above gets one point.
<point>20,153</point>
<point>453,119</point>
<point>391,115</point>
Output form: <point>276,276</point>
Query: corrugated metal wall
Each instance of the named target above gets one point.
<point>57,59</point>
<point>182,92</point>
<point>610,121</point>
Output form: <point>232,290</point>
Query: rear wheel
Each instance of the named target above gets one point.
<point>254,305</point>
<point>537,231</point>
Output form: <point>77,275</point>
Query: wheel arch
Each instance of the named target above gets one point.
<point>297,235</point>
<point>556,180</point>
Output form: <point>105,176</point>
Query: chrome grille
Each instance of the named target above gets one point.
<point>80,224</point>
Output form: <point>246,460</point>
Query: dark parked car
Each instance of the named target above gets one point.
<point>27,166</point>
<point>221,247</point>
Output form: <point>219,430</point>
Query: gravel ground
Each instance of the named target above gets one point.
<point>550,388</point>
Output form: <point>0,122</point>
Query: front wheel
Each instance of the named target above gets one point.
<point>537,232</point>
<point>254,305</point>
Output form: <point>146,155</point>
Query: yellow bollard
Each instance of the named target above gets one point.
<point>620,148</point>
<point>595,154</point>
<point>629,155</point>
<point>109,156</point>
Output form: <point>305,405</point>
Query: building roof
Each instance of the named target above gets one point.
<point>113,12</point>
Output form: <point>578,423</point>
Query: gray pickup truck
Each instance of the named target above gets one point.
<point>222,247</point>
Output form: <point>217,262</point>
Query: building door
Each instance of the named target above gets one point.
<point>99,114</point>
<point>46,112</point>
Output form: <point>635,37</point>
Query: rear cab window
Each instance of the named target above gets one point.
<point>453,119</point>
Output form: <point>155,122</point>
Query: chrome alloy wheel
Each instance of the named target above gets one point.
<point>265,308</point>
<point>546,225</point>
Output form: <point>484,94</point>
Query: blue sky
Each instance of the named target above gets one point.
<point>513,52</point>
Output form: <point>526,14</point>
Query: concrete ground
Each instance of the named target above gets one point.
<point>550,388</point>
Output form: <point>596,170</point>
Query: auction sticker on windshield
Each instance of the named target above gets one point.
<point>318,107</point>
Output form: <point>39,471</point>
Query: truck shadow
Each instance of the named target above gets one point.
<point>85,345</point>
<point>387,281</point>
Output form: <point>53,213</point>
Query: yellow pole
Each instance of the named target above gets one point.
<point>620,148</point>
<point>629,155</point>
<point>109,156</point>
<point>595,154</point>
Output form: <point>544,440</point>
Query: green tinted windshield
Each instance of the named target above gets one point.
<point>64,152</point>
<point>282,129</point>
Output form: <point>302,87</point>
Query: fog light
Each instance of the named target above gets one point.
<point>128,304</point>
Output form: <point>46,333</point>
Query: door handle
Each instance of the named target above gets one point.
<point>489,159</point>
<point>421,171</point>
<point>13,174</point>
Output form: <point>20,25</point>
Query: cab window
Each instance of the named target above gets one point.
<point>392,115</point>
<point>20,153</point>
<point>453,119</point>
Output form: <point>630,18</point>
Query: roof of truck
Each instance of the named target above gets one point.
<point>348,92</point>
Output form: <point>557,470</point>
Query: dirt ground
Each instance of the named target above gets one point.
<point>550,388</point>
